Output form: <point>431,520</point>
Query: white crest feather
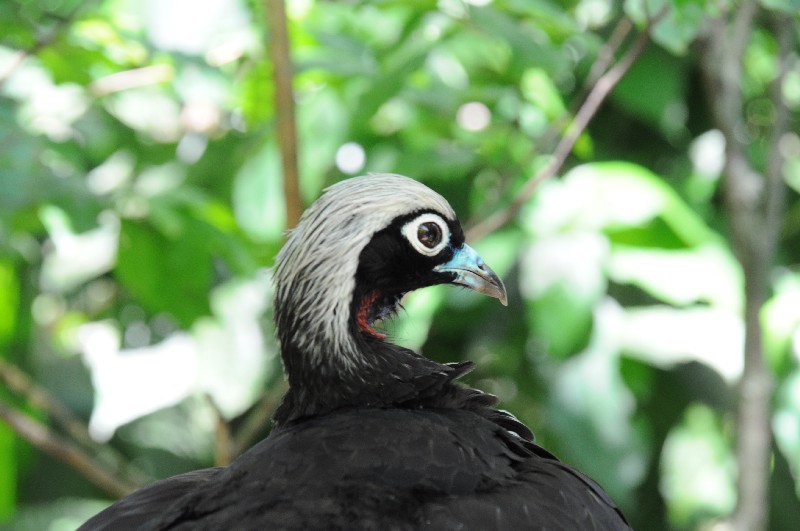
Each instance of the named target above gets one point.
<point>315,270</point>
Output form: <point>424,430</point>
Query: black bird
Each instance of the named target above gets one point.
<point>371,435</point>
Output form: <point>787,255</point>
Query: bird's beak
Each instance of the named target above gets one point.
<point>472,272</point>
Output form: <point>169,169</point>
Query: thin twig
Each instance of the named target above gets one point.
<point>19,383</point>
<point>44,439</point>
<point>132,78</point>
<point>609,50</point>
<point>596,97</point>
<point>285,108</point>
<point>605,58</point>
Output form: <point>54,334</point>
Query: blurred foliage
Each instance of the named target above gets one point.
<point>141,206</point>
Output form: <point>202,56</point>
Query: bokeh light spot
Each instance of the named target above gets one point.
<point>473,116</point>
<point>350,158</point>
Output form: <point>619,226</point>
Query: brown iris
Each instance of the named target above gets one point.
<point>429,234</point>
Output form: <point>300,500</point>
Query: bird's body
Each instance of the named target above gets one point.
<point>372,435</point>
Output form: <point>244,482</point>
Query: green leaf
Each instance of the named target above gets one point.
<point>399,67</point>
<point>654,91</point>
<point>256,94</point>
<point>681,23</point>
<point>538,88</point>
<point>8,472</point>
<point>664,336</point>
<point>9,300</point>
<point>786,425</point>
<point>780,317</point>
<point>68,63</point>
<point>708,273</point>
<point>698,467</point>
<point>22,179</point>
<point>258,196</point>
<point>562,320</point>
<point>530,45</point>
<point>589,406</point>
<point>170,275</point>
<point>562,278</point>
<point>627,202</point>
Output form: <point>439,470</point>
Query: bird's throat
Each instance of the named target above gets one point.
<point>367,314</point>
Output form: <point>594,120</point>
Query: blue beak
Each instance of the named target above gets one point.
<point>472,272</point>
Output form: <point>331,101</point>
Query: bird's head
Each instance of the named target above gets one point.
<point>356,251</point>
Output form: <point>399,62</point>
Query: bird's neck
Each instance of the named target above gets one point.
<point>386,376</point>
<point>332,367</point>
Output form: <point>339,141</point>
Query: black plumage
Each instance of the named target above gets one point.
<point>372,435</point>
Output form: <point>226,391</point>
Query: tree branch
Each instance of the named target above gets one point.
<point>600,91</point>
<point>755,205</point>
<point>284,108</point>
<point>44,439</point>
<point>22,385</point>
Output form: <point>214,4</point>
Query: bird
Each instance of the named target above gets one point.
<point>371,435</point>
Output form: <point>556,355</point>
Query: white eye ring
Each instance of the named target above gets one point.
<point>414,230</point>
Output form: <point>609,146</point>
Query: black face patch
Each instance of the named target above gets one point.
<point>389,266</point>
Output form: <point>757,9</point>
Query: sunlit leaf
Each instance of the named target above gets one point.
<point>76,257</point>
<point>256,94</point>
<point>258,197</point>
<point>538,88</point>
<point>780,317</point>
<point>682,20</point>
<point>786,423</point>
<point>527,42</point>
<point>707,274</point>
<point>236,352</point>
<point>562,278</point>
<point>698,468</point>
<point>628,202</point>
<point>664,337</point>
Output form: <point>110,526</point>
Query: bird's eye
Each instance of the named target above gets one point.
<point>428,233</point>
